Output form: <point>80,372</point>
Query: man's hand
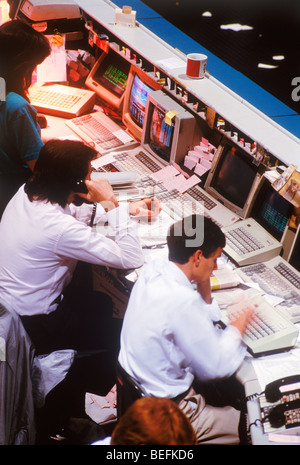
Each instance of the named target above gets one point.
<point>243,320</point>
<point>146,208</point>
<point>100,191</point>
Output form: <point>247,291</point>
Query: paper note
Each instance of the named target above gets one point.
<point>181,183</point>
<point>169,116</point>
<point>172,63</point>
<point>54,67</point>
<point>165,173</point>
<point>200,169</point>
<point>270,368</point>
<point>102,161</point>
<point>189,162</point>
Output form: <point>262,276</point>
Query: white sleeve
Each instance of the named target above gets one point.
<point>212,353</point>
<point>84,212</point>
<point>83,243</point>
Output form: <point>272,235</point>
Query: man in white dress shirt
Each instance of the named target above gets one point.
<point>43,235</point>
<point>169,338</point>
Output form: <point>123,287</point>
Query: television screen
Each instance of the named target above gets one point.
<point>271,210</point>
<point>295,253</point>
<point>108,78</point>
<point>138,100</point>
<point>234,176</point>
<point>113,73</point>
<point>168,130</point>
<point>140,84</point>
<point>160,133</point>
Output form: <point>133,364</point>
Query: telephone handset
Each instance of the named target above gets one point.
<point>288,391</point>
<point>276,389</point>
<point>287,414</point>
<point>80,186</point>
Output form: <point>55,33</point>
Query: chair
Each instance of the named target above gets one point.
<point>25,379</point>
<point>17,422</point>
<point>128,390</point>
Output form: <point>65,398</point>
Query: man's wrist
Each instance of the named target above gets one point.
<point>109,205</point>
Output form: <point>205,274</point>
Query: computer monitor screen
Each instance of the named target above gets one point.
<point>294,258</point>
<point>160,133</point>
<point>271,210</point>
<point>168,128</point>
<point>233,179</point>
<point>139,85</point>
<point>108,78</point>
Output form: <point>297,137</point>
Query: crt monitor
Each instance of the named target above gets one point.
<point>139,85</point>
<point>108,78</point>
<point>168,128</point>
<point>233,178</point>
<point>294,257</point>
<point>271,210</point>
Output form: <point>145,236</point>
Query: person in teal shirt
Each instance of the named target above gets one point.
<point>21,49</point>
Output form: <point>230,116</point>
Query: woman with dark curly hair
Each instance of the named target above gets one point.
<point>21,49</point>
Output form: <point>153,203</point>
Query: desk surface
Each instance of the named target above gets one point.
<point>56,128</point>
<point>246,374</point>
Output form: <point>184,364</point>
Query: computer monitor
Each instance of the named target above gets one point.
<point>139,85</point>
<point>271,210</point>
<point>233,178</point>
<point>168,128</point>
<point>294,256</point>
<point>108,78</point>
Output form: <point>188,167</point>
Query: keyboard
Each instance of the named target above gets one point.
<point>174,203</point>
<point>268,332</point>
<point>62,101</point>
<point>99,131</point>
<point>278,278</point>
<point>247,243</point>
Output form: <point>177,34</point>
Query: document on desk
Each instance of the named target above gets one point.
<point>277,366</point>
<point>154,234</point>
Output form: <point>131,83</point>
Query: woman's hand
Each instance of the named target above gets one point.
<point>146,208</point>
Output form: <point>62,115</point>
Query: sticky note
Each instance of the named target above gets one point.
<point>169,116</point>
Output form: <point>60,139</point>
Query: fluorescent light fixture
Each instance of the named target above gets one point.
<point>207,14</point>
<point>266,66</point>
<point>236,27</point>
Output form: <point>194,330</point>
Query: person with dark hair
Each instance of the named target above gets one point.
<point>22,48</point>
<point>152,421</point>
<point>43,235</point>
<point>169,337</point>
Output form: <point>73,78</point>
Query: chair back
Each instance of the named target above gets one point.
<point>128,390</point>
<point>17,418</point>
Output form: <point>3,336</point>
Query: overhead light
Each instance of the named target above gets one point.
<point>266,66</point>
<point>207,14</point>
<point>236,27</point>
<point>278,57</point>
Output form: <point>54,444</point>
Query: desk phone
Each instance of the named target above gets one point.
<point>280,405</point>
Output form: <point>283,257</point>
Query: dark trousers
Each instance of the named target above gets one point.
<point>83,321</point>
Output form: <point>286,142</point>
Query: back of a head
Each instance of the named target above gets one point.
<point>22,48</point>
<point>153,421</point>
<point>60,165</point>
<point>193,233</point>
